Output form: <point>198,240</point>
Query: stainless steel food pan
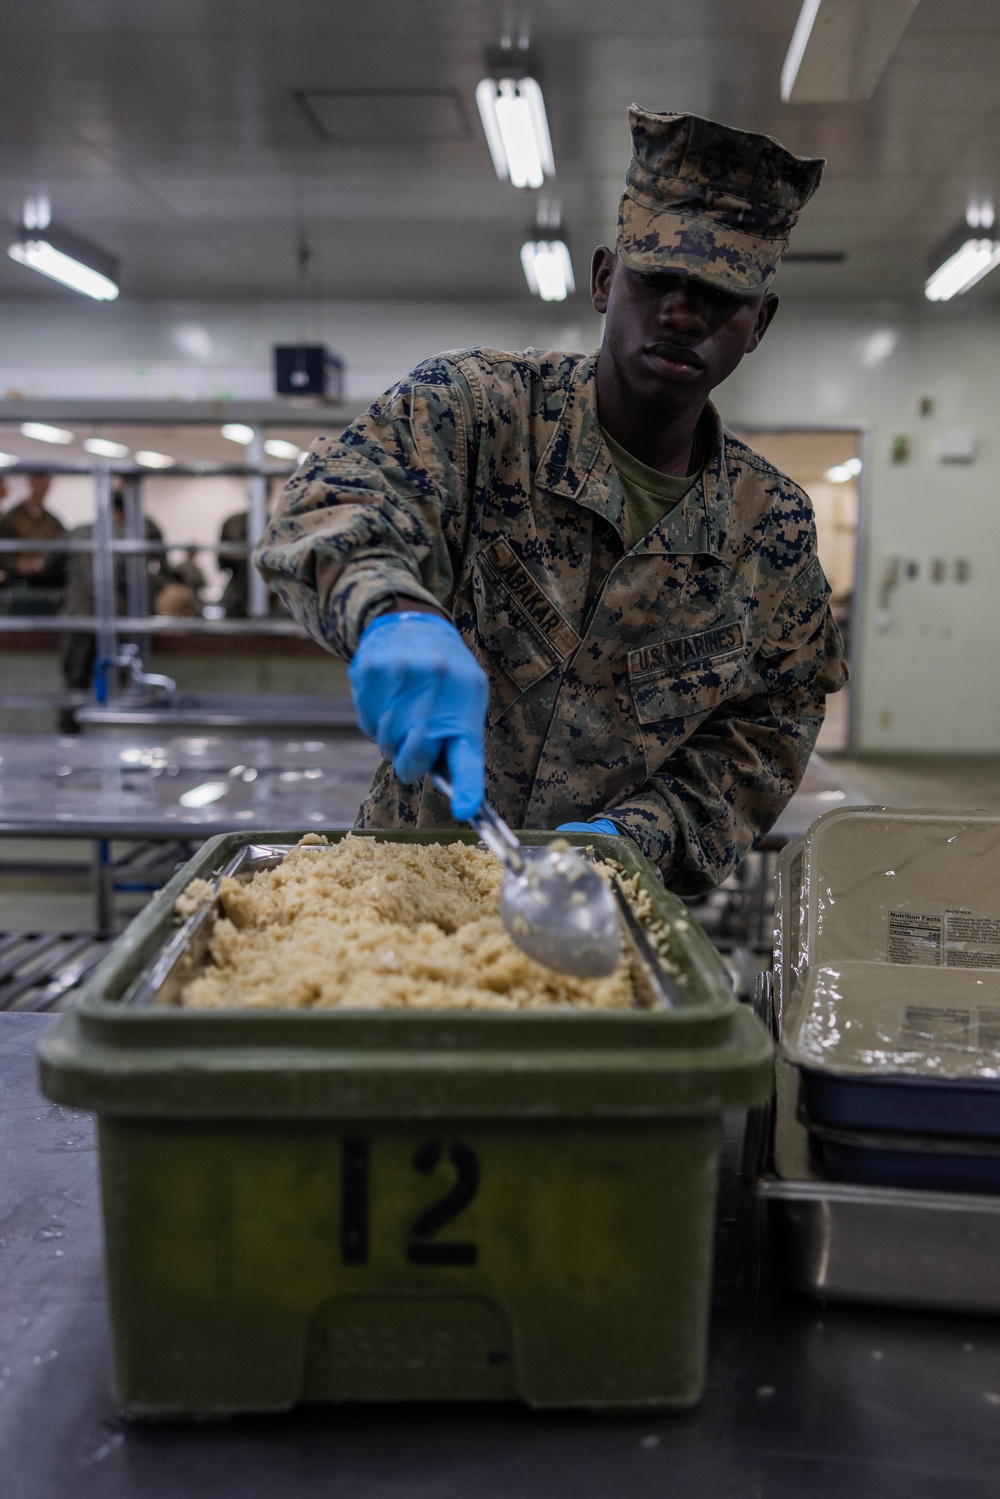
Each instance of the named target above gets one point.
<point>882,1245</point>
<point>183,955</point>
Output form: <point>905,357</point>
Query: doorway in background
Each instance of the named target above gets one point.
<point>826,462</point>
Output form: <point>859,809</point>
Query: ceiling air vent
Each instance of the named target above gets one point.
<point>364,116</point>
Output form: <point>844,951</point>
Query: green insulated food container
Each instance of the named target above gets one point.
<point>404,1205</point>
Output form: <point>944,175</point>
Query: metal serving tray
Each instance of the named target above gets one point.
<point>182,956</point>
<point>939,1251</point>
<point>917,1162</point>
<point>956,1109</point>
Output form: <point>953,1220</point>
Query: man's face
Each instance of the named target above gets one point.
<point>38,488</point>
<point>672,339</point>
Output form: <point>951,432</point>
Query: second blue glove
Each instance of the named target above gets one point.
<point>599,825</point>
<point>418,690</point>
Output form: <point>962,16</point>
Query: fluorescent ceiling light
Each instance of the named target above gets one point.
<point>238,432</point>
<point>980,215</point>
<point>797,47</point>
<point>517,130</point>
<point>969,264</point>
<point>548,269</point>
<point>37,212</point>
<point>204,795</point>
<point>148,459</point>
<point>842,472</point>
<point>6,459</point>
<point>69,260</point>
<point>839,49</point>
<point>277,447</point>
<point>103,447</point>
<point>42,432</point>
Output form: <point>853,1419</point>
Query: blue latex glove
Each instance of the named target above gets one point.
<point>598,825</point>
<point>419,689</point>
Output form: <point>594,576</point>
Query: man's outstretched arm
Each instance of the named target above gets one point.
<point>381,512</point>
<point>363,548</point>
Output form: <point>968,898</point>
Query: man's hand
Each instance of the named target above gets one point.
<point>419,690</point>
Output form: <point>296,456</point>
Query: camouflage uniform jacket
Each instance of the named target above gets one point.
<point>21,524</point>
<point>676,686</point>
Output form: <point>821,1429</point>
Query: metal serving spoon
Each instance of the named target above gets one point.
<point>553,902</point>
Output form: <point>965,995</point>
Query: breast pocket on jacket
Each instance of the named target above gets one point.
<point>676,683</point>
<point>520,627</point>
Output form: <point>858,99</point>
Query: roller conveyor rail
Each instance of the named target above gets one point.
<point>41,970</point>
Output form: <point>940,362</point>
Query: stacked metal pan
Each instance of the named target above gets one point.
<point>887,1003</point>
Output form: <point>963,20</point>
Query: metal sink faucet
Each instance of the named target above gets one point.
<point>145,681</point>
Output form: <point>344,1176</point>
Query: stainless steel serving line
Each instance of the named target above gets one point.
<point>801,1400</point>
<point>118,786</point>
<point>168,786</point>
<point>174,789</point>
<point>153,624</point>
<point>129,786</point>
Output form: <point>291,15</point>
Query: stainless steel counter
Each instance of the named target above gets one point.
<point>126,786</point>
<point>801,1400</point>
<point>145,785</point>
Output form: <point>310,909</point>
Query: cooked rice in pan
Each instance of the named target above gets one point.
<point>375,925</point>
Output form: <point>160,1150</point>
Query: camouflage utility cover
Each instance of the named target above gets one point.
<point>714,202</point>
<point>676,686</point>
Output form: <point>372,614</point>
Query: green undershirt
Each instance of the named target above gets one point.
<point>649,495</point>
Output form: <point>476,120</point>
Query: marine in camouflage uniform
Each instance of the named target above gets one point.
<point>30,521</point>
<point>673,683</point>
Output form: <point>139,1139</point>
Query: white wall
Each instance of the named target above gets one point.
<point>930,659</point>
<point>222,351</point>
<point>930,651</point>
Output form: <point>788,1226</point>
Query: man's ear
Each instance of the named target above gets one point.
<point>765,314</point>
<point>602,268</point>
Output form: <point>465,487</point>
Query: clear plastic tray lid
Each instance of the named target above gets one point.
<point>874,1019</point>
<point>911,888</point>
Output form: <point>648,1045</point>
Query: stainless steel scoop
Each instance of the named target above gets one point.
<point>553,902</point>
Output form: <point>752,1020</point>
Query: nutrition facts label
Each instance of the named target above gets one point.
<point>915,938</point>
<point>957,938</point>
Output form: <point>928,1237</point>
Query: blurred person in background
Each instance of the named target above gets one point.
<point>235,600</point>
<point>33,580</point>
<point>189,573</point>
<point>180,596</point>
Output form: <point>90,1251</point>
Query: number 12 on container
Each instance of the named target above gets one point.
<point>423,1246</point>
